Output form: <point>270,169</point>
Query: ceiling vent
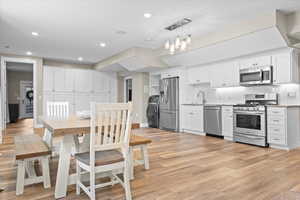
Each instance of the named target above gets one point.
<point>178,24</point>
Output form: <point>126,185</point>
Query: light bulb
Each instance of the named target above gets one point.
<point>177,42</point>
<point>183,45</point>
<point>172,48</point>
<point>167,44</point>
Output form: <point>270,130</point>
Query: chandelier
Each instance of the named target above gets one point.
<point>180,43</point>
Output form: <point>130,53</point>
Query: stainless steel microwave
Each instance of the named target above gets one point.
<point>256,76</point>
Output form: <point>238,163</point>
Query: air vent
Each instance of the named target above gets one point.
<point>178,24</point>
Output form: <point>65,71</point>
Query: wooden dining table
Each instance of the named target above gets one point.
<point>69,129</point>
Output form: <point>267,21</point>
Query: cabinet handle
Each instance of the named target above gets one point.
<point>275,120</point>
<point>276,129</point>
<point>275,112</point>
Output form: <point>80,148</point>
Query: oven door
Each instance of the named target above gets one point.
<point>249,122</point>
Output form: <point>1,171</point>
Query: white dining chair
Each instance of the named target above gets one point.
<point>109,148</point>
<point>55,111</point>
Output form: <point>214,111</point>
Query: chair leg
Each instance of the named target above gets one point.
<point>46,172</point>
<point>126,175</point>
<point>92,184</point>
<point>145,156</point>
<point>20,178</point>
<point>131,163</point>
<point>78,171</point>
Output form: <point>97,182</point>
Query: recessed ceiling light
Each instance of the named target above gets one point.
<point>29,53</point>
<point>80,58</point>
<point>147,15</point>
<point>102,44</point>
<point>35,33</point>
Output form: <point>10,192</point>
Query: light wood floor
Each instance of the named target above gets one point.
<point>182,167</point>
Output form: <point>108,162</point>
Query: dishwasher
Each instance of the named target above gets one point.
<point>213,120</point>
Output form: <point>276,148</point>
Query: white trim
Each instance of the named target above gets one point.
<point>144,125</point>
<point>193,132</point>
<point>5,59</point>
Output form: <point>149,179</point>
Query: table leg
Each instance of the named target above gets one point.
<point>47,137</point>
<point>131,163</point>
<point>63,166</point>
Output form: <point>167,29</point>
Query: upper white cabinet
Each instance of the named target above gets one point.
<point>225,75</point>
<point>83,80</point>
<point>58,79</point>
<point>255,61</point>
<point>78,87</point>
<point>199,75</point>
<point>285,68</point>
<point>49,78</point>
<point>101,82</point>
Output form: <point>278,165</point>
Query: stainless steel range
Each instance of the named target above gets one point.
<point>249,119</point>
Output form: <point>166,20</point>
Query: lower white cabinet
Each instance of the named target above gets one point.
<point>227,122</point>
<point>283,127</point>
<point>192,119</point>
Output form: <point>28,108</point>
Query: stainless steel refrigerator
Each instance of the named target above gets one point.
<point>169,104</point>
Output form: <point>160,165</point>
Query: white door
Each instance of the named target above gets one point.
<point>26,99</point>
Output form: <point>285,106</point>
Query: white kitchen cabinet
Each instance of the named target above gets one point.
<point>69,82</point>
<point>66,97</point>
<point>286,68</point>
<point>48,96</point>
<point>82,101</point>
<point>49,78</point>
<point>255,61</point>
<point>83,80</point>
<point>283,127</point>
<point>192,119</point>
<point>199,75</point>
<point>227,122</point>
<point>101,82</point>
<point>225,74</point>
<point>170,73</point>
<point>101,97</point>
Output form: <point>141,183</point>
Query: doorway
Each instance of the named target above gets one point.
<point>128,89</point>
<point>19,91</point>
<point>15,92</point>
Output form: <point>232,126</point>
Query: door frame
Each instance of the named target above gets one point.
<point>20,104</point>
<point>3,83</point>
<point>125,92</point>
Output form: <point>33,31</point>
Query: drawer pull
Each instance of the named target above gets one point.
<point>276,129</point>
<point>275,120</point>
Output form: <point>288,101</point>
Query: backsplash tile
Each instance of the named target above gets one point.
<point>288,94</point>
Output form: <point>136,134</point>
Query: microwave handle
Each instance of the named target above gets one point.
<point>261,75</point>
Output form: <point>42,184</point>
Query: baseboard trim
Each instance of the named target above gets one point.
<point>144,125</point>
<point>194,132</point>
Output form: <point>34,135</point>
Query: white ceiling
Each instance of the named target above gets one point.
<point>72,28</point>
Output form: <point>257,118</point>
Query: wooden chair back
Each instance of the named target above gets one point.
<point>110,127</point>
<point>57,110</point>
